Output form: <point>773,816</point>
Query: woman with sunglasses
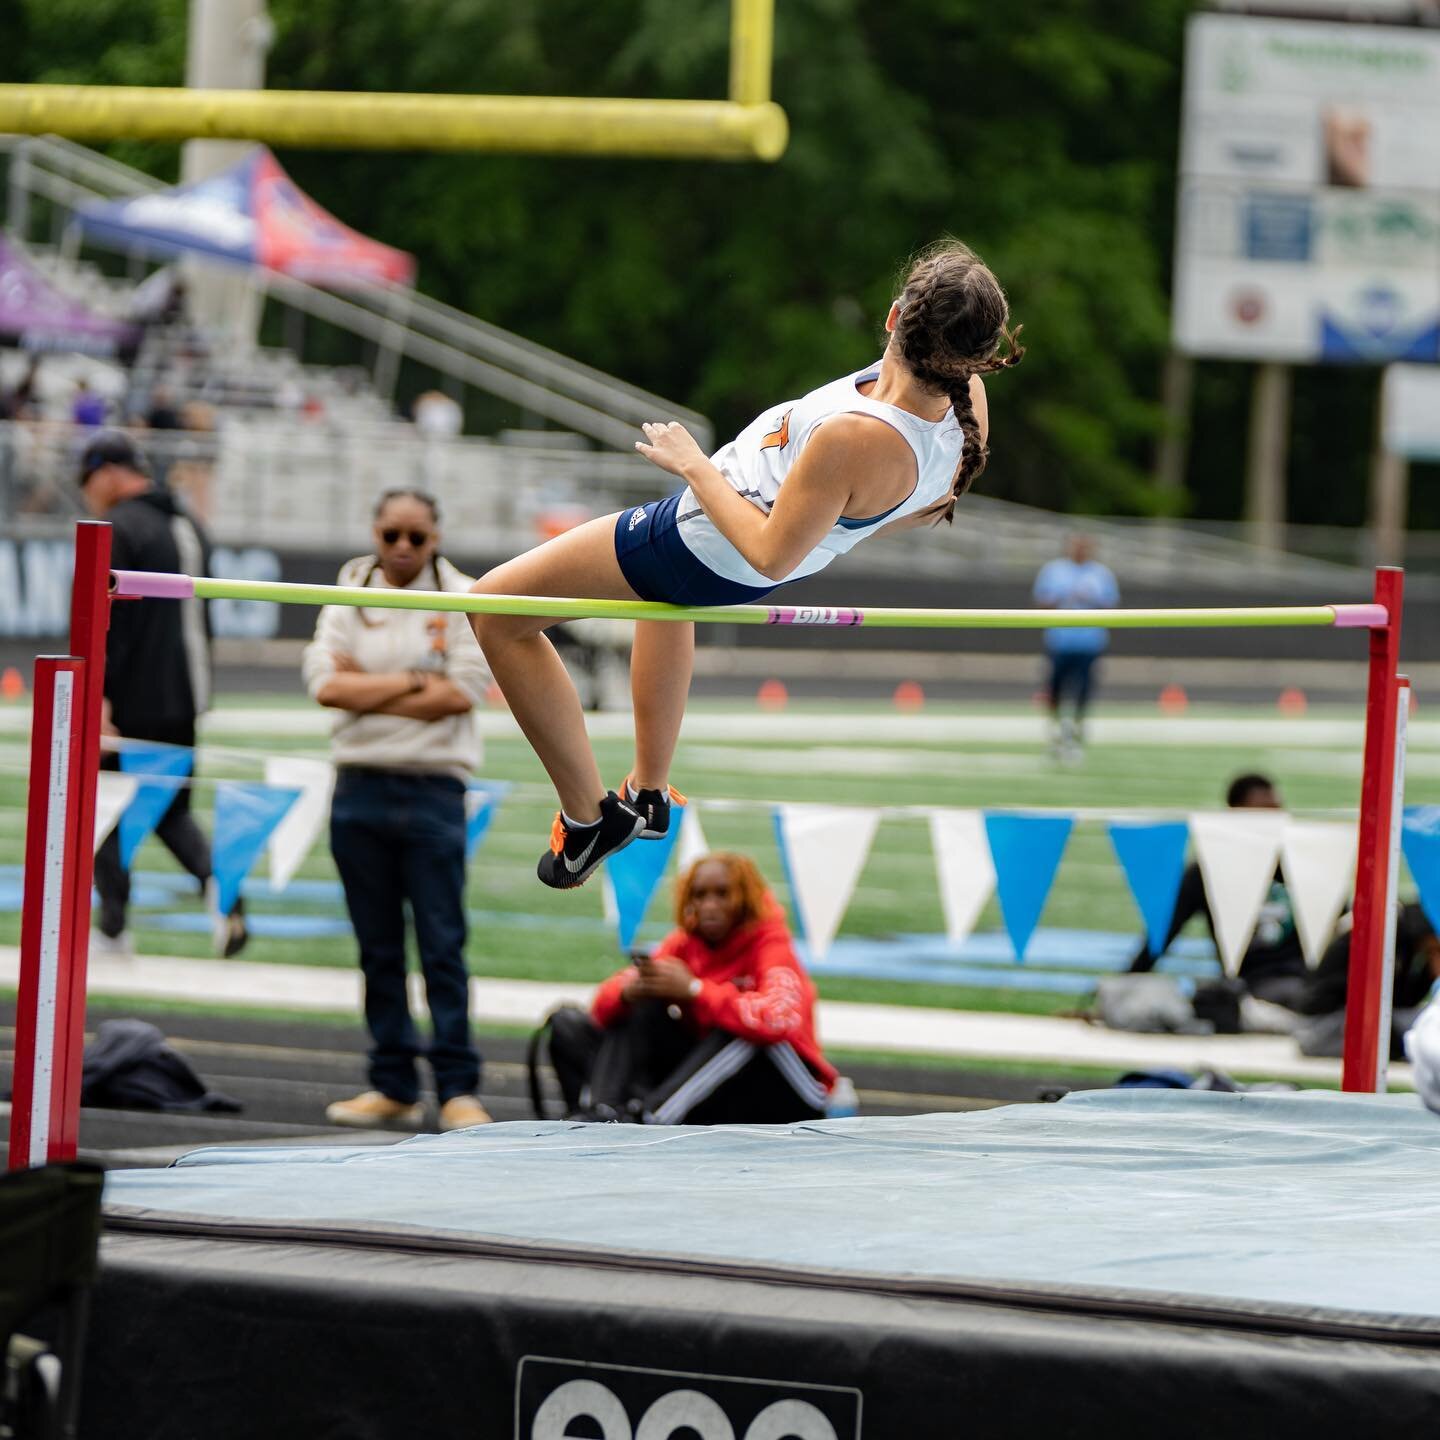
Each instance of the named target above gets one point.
<point>403,684</point>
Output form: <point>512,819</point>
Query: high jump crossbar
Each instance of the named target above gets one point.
<point>65,762</point>
<point>143,584</point>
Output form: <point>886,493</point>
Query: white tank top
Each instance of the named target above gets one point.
<point>759,458</point>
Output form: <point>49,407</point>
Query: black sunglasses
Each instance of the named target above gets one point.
<point>416,537</point>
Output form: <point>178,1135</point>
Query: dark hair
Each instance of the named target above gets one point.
<point>745,874</point>
<point>402,492</point>
<point>952,323</point>
<point>1242,785</point>
<point>111,447</point>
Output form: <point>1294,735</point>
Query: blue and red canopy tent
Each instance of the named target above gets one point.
<point>252,214</point>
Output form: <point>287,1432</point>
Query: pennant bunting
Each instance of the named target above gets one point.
<point>823,849</point>
<point>963,867</point>
<point>245,816</point>
<point>112,794</point>
<point>161,769</point>
<point>482,801</point>
<point>1238,851</point>
<point>1152,855</point>
<point>292,839</point>
<point>1025,850</point>
<point>634,875</point>
<point>692,838</point>
<point>1318,858</point>
<point>1420,842</point>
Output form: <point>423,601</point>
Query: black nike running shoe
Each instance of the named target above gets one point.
<point>575,853</point>
<point>654,805</point>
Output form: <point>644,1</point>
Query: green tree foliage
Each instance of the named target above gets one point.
<point>1048,144</point>
<point>1044,134</point>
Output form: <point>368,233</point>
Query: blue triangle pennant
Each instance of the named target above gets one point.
<point>1026,851</point>
<point>1152,855</point>
<point>1420,841</point>
<point>482,800</point>
<point>169,765</point>
<point>634,875</point>
<point>797,920</point>
<point>245,814</point>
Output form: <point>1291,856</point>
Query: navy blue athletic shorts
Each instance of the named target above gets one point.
<point>658,565</point>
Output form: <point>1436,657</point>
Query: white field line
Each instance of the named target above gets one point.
<point>862,727</point>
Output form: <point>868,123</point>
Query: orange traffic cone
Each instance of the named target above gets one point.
<point>12,683</point>
<point>1292,701</point>
<point>772,695</point>
<point>908,695</point>
<point>1173,700</point>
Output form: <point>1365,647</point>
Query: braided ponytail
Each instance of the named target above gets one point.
<point>951,325</point>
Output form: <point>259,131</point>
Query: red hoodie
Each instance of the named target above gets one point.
<point>751,985</point>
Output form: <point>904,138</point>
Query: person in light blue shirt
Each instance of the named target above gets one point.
<point>1075,581</point>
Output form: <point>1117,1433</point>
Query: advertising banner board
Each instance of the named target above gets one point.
<point>1308,224</point>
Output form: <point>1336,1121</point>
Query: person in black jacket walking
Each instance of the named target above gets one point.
<point>157,662</point>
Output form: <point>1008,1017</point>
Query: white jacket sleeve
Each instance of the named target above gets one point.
<point>465,660</point>
<point>318,664</point>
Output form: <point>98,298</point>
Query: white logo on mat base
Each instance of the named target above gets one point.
<point>624,1402</point>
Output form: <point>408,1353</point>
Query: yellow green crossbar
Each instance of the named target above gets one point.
<point>144,583</point>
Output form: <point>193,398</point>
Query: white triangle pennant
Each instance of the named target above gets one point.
<point>1319,861</point>
<point>825,848</point>
<point>292,838</point>
<point>692,843</point>
<point>112,794</point>
<point>964,867</point>
<point>1238,851</point>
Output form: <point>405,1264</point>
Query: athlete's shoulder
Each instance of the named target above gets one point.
<point>859,435</point>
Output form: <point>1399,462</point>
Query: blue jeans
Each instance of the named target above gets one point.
<point>401,837</point>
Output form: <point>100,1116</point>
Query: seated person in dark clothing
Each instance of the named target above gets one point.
<point>716,1027</point>
<point>1273,967</point>
<point>1417,967</point>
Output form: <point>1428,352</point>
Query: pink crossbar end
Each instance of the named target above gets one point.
<point>146,585</point>
<point>1360,617</point>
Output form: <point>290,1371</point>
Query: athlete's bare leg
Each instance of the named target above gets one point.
<point>660,664</point>
<point>578,564</point>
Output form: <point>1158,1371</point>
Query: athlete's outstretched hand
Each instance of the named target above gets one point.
<point>670,446</point>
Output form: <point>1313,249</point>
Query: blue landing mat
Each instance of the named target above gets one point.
<point>1263,1202</point>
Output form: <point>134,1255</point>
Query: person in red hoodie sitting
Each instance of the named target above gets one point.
<point>717,1026</point>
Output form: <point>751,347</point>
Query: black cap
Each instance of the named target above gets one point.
<point>111,447</point>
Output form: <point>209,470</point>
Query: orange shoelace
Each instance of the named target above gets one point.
<point>557,834</point>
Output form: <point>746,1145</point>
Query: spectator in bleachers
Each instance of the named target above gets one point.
<point>716,1027</point>
<point>404,684</point>
<point>88,408</point>
<point>437,416</point>
<point>1273,966</point>
<point>163,413</point>
<point>19,403</point>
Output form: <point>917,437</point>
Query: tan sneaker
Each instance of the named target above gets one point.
<point>372,1110</point>
<point>460,1112</point>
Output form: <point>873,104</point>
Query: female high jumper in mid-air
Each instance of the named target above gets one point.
<point>890,447</point>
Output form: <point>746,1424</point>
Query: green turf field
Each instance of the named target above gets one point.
<point>839,753</point>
